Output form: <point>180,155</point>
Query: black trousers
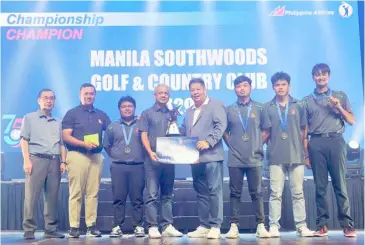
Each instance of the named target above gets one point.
<point>328,155</point>
<point>254,186</point>
<point>127,179</point>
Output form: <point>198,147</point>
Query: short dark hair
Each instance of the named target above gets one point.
<point>87,85</point>
<point>126,98</point>
<point>45,90</point>
<point>197,80</point>
<point>242,79</point>
<point>321,67</point>
<point>280,76</point>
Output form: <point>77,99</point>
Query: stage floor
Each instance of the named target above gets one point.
<point>334,238</point>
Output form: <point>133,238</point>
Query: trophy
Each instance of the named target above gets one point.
<point>172,128</point>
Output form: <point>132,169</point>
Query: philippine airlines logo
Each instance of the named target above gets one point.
<point>283,11</point>
<point>12,130</point>
<point>279,11</point>
<point>345,10</point>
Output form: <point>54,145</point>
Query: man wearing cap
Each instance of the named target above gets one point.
<point>44,161</point>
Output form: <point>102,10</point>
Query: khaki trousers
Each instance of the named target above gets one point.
<point>84,175</point>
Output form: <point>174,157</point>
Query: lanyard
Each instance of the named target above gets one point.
<point>244,125</point>
<point>127,139</point>
<point>284,120</point>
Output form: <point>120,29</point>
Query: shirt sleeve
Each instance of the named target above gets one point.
<point>228,129</point>
<point>346,104</point>
<point>25,129</point>
<point>68,121</point>
<point>108,137</point>
<point>303,115</point>
<point>143,124</point>
<point>107,122</point>
<point>220,125</point>
<point>61,137</point>
<point>265,121</point>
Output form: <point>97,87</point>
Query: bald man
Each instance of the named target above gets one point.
<point>153,124</point>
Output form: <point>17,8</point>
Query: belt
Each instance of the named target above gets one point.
<point>47,156</point>
<point>129,163</point>
<point>326,135</point>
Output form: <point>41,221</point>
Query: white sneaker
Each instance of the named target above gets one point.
<point>233,232</point>
<point>116,232</point>
<point>139,231</point>
<point>261,231</point>
<point>214,233</point>
<point>171,232</point>
<point>200,232</point>
<point>274,231</point>
<point>303,231</point>
<point>153,233</point>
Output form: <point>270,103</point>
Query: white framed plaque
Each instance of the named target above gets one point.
<point>177,150</point>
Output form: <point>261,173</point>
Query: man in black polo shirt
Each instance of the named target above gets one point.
<point>153,124</point>
<point>243,138</point>
<point>327,111</point>
<point>122,142</point>
<point>286,153</point>
<point>82,132</point>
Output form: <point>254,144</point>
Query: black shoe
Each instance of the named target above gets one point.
<point>29,235</point>
<point>74,232</point>
<point>53,234</point>
<point>92,231</point>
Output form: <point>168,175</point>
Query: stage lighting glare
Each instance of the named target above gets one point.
<point>354,144</point>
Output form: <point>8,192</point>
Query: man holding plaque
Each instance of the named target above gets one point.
<point>327,111</point>
<point>287,121</point>
<point>246,120</point>
<point>122,142</point>
<point>82,132</point>
<point>159,176</point>
<point>207,120</point>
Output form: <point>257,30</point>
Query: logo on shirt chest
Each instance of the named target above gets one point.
<point>253,115</point>
<point>293,112</point>
<point>99,121</point>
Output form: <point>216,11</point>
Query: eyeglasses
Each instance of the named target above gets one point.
<point>48,98</point>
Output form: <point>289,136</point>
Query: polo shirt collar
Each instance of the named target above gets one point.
<point>291,100</point>
<point>42,115</point>
<point>87,108</point>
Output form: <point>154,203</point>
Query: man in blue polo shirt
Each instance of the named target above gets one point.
<point>82,132</point>
<point>287,118</point>
<point>122,142</point>
<point>44,161</point>
<point>327,111</point>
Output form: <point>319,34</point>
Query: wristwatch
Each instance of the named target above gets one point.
<point>64,162</point>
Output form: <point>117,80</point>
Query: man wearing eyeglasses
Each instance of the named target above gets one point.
<point>44,160</point>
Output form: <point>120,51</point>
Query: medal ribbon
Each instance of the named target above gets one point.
<point>284,120</point>
<point>127,139</point>
<point>244,125</point>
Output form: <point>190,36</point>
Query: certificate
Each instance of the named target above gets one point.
<point>92,138</point>
<point>177,150</point>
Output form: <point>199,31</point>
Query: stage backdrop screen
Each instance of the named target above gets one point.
<point>127,47</point>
